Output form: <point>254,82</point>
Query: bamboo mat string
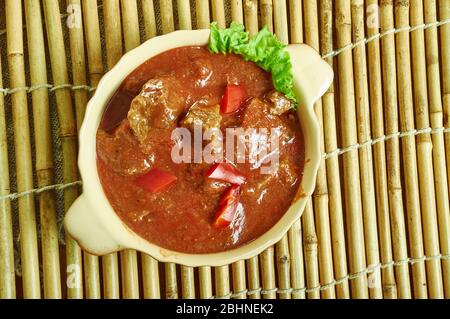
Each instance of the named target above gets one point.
<point>43,147</point>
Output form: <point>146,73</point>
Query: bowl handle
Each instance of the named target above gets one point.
<point>315,75</point>
<point>84,227</point>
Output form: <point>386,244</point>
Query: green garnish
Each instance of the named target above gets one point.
<point>264,49</point>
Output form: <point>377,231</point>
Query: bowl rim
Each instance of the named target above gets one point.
<point>102,211</point>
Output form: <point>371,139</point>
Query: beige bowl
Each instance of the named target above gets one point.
<point>91,220</point>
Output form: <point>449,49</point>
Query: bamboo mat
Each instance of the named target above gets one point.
<point>378,224</point>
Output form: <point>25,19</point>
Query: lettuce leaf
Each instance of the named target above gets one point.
<point>264,49</point>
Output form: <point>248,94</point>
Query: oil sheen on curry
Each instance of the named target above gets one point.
<point>195,205</point>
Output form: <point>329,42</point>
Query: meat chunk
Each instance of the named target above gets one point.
<point>278,102</point>
<point>207,117</point>
<point>257,114</point>
<point>158,105</point>
<point>121,152</point>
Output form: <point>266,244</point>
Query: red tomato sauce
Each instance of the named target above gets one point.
<point>181,218</point>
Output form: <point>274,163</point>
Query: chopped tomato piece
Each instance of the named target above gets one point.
<point>226,172</point>
<point>233,98</point>
<point>156,180</point>
<point>227,207</point>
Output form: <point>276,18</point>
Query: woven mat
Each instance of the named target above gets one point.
<point>378,225</point>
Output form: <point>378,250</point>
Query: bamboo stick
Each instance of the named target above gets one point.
<point>78,62</point>
<point>365,154</point>
<point>131,36</point>
<point>166,11</point>
<point>43,146</point>
<point>24,171</point>
<point>444,14</point>
<point>150,277</point>
<point>204,274</point>
<point>295,233</point>
<point>184,14</point>
<point>424,145</point>
<point>410,161</point>
<point>129,274</point>
<point>239,285</point>
<point>254,286</point>
<point>310,251</point>
<point>296,20</point>
<point>95,63</point>
<point>332,163</point>
<point>436,117</point>
<point>251,16</point>
<point>237,13</point>
<point>393,172</point>
<point>297,268</point>
<point>222,281</point>
<point>320,196</point>
<point>130,24</point>
<point>202,14</point>
<point>7,275</point>
<point>148,11</point>
<point>268,273</point>
<point>389,287</point>
<point>280,20</point>
<point>67,129</point>
<point>171,281</point>
<point>266,13</point>
<point>218,13</point>
<point>113,33</point>
<point>282,247</point>
<point>283,268</point>
<point>350,159</point>
<point>113,41</point>
<point>187,282</point>
<point>93,41</point>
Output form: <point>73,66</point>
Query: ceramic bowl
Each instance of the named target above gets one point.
<point>91,220</point>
